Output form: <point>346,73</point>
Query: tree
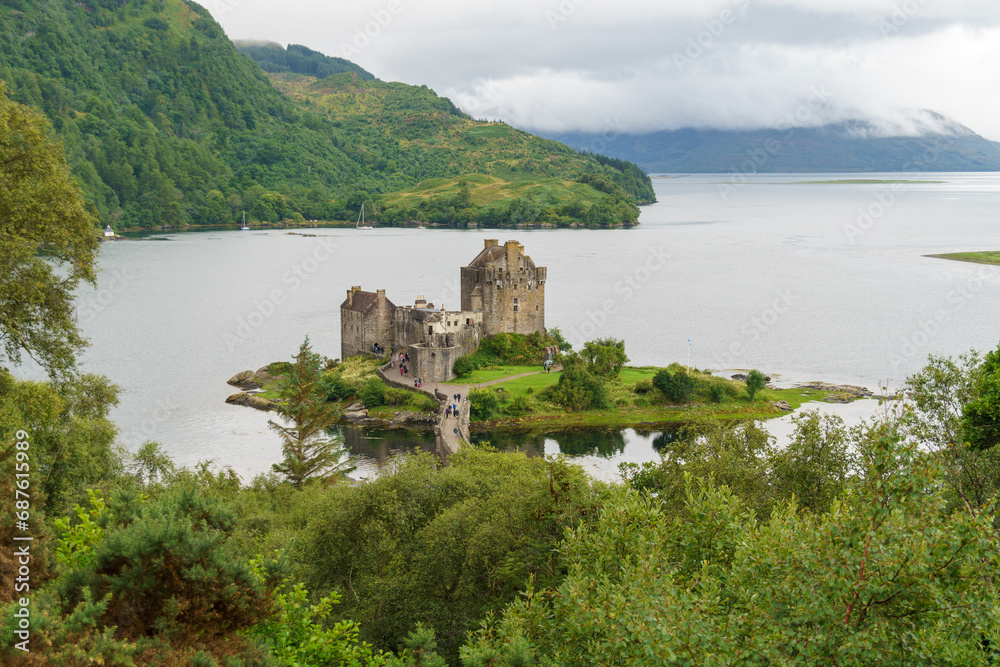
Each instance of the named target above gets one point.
<point>888,576</point>
<point>677,386</point>
<point>981,414</point>
<point>41,208</point>
<point>308,452</point>
<point>755,382</point>
<point>605,356</point>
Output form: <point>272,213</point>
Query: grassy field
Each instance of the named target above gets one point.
<point>494,373</point>
<point>984,257</point>
<point>631,409</point>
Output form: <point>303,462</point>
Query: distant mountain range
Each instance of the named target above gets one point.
<point>922,141</point>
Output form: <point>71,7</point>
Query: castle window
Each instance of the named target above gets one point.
<point>430,330</point>
<point>515,304</point>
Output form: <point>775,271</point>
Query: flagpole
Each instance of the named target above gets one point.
<point>689,356</point>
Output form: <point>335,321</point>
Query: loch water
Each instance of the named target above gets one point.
<point>802,279</point>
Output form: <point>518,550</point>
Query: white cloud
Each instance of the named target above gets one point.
<point>591,64</point>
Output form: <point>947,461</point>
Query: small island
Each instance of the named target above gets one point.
<point>991,257</point>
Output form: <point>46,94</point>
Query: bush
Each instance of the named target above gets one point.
<point>716,392</point>
<point>394,396</point>
<point>372,393</point>
<point>484,404</point>
<point>677,386</point>
<point>464,366</point>
<point>337,388</point>
<point>578,388</point>
<point>643,386</point>
<point>519,405</point>
<point>755,382</point>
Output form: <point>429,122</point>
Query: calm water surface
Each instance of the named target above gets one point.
<point>805,282</point>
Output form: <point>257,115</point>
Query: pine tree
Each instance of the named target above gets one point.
<point>308,451</point>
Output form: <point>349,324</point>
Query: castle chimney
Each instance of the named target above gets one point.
<point>421,302</point>
<point>489,243</point>
<point>381,296</point>
<point>350,295</point>
<point>512,248</point>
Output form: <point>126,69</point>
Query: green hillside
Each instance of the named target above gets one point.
<point>164,122</point>
<point>409,129</point>
<point>297,59</point>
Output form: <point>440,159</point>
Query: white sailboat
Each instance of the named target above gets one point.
<point>244,227</point>
<point>361,220</point>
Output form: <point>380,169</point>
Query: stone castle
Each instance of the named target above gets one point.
<point>502,292</point>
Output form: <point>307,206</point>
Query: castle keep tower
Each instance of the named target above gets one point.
<point>507,287</point>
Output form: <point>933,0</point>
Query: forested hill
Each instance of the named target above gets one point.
<point>298,59</point>
<point>165,122</point>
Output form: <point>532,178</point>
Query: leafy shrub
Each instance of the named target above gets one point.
<point>372,393</point>
<point>337,388</point>
<point>643,386</point>
<point>396,396</point>
<point>716,392</point>
<point>519,405</point>
<point>755,382</point>
<point>578,388</point>
<point>484,404</point>
<point>676,386</point>
<point>464,366</point>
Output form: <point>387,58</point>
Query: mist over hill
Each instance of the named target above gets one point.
<point>921,141</point>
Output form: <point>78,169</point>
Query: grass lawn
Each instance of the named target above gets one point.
<point>984,257</point>
<point>491,373</point>
<point>633,415</point>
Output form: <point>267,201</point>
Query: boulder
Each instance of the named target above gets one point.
<point>782,405</point>
<point>240,379</point>
<point>252,401</point>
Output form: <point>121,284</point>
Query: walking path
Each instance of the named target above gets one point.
<point>452,431</point>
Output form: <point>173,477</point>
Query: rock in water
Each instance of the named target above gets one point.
<point>252,401</point>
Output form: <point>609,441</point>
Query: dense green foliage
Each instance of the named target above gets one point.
<point>165,123</point>
<point>298,59</point>
<point>579,386</point>
<point>40,207</point>
<point>442,546</point>
<point>508,349</point>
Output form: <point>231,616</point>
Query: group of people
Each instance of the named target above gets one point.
<point>377,349</point>
<point>401,359</point>
<point>453,408</point>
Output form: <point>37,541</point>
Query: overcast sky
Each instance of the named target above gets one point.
<point>629,65</point>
